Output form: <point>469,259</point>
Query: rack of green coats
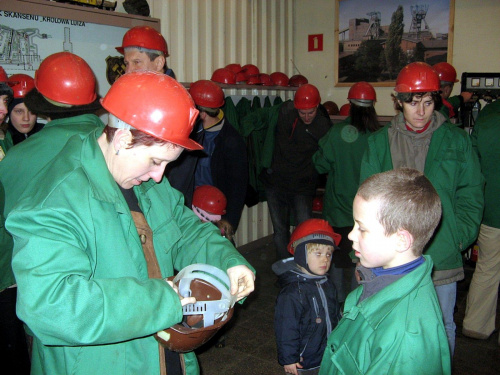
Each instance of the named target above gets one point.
<point>257,124</point>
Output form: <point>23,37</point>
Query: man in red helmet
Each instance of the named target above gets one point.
<point>448,77</point>
<point>222,163</point>
<point>291,180</point>
<point>143,48</point>
<point>420,137</point>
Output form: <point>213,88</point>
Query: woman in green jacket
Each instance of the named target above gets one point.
<point>339,154</point>
<point>84,288</point>
<point>420,137</point>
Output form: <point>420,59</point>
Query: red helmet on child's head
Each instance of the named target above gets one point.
<point>311,229</point>
<point>21,84</point>
<point>210,199</point>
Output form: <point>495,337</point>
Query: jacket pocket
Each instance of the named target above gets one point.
<point>345,361</point>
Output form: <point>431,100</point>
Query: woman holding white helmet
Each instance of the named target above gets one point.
<point>100,228</point>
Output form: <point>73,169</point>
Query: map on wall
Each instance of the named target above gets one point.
<point>26,39</point>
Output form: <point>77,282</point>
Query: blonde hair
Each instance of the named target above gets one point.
<point>311,246</point>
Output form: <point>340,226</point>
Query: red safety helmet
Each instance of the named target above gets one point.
<point>362,91</point>
<point>306,97</point>
<point>210,199</point>
<point>250,70</point>
<point>144,37</point>
<point>66,78</point>
<point>345,109</point>
<point>206,93</point>
<point>318,204</point>
<point>297,80</point>
<point>214,307</point>
<point>155,104</point>
<point>3,76</point>
<point>224,75</point>
<point>21,84</point>
<point>236,68</point>
<point>417,77</point>
<point>279,79</point>
<point>265,79</point>
<point>254,80</point>
<point>241,77</point>
<point>446,72</point>
<point>331,107</point>
<point>310,229</point>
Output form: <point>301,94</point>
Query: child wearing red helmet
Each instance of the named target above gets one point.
<point>306,309</point>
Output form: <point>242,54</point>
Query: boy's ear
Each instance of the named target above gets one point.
<point>405,240</point>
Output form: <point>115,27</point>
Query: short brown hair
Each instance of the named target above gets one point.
<point>407,201</point>
<point>139,138</point>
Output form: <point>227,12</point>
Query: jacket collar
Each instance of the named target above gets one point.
<point>375,308</point>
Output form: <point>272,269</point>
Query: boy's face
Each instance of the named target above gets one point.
<point>320,259</point>
<point>371,245</point>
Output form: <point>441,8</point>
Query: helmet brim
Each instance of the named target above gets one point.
<point>37,104</point>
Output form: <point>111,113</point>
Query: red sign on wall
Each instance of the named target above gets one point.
<point>315,42</point>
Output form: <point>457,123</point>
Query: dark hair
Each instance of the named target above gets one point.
<point>212,112</point>
<point>407,97</point>
<point>139,138</point>
<point>364,118</point>
<point>407,201</point>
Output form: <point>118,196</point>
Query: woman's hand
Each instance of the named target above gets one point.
<point>184,300</point>
<point>242,281</point>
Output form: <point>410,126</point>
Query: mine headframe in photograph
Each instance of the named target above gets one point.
<point>101,4</point>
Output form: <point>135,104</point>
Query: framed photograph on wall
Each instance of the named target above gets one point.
<point>375,39</point>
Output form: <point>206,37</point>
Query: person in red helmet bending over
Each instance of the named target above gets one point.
<point>209,204</point>
<point>448,77</point>
<point>104,229</point>
<point>291,180</point>
<point>145,49</point>
<point>421,138</point>
<point>306,309</point>
<point>223,161</point>
<point>339,155</point>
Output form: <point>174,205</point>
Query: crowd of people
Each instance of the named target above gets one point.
<point>96,219</point>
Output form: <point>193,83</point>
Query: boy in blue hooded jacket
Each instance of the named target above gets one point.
<point>306,308</point>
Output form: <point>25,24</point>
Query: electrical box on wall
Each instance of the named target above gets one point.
<point>315,42</point>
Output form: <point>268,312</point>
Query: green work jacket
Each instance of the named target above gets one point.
<point>398,330</point>
<point>339,154</point>
<point>486,143</point>
<point>24,161</point>
<point>83,286</point>
<point>6,275</point>
<point>453,169</point>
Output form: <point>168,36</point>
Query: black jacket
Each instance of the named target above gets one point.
<point>229,168</point>
<point>292,169</point>
<point>306,312</point>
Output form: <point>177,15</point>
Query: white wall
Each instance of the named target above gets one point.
<point>475,45</point>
